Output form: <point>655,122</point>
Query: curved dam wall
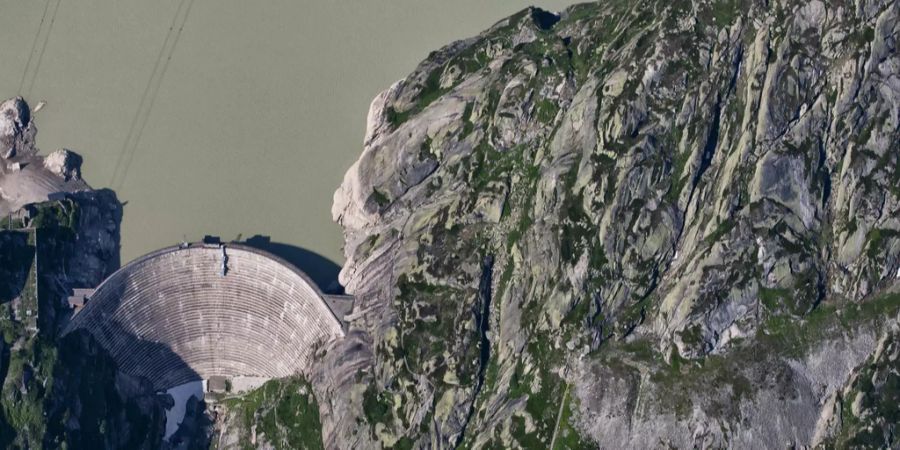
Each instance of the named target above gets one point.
<point>173,317</point>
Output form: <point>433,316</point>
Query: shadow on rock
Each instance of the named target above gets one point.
<point>93,405</point>
<point>16,258</point>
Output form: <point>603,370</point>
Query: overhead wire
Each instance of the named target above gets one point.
<point>148,98</point>
<point>37,67</point>
<point>34,42</point>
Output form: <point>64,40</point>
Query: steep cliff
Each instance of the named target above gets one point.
<point>629,225</point>
<point>57,234</point>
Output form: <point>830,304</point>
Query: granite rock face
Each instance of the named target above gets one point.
<point>64,164</point>
<point>628,225</point>
<point>15,118</point>
<point>57,234</point>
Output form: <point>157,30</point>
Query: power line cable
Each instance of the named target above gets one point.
<point>151,92</point>
<point>37,66</point>
<point>34,42</point>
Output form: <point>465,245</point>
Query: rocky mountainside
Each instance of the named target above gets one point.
<point>57,234</point>
<point>630,224</point>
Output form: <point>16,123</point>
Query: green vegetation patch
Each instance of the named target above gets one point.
<point>24,390</point>
<point>877,239</point>
<point>429,91</point>
<point>738,372</point>
<point>377,406</point>
<point>84,385</point>
<point>434,319</point>
<point>546,111</point>
<point>567,436</point>
<point>550,405</point>
<point>721,231</point>
<point>723,12</point>
<point>284,411</point>
<point>60,213</point>
<point>380,198</point>
<point>870,410</point>
<point>773,298</point>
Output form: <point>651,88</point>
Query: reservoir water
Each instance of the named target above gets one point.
<point>221,117</point>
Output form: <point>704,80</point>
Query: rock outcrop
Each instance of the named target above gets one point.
<point>57,234</point>
<point>64,164</point>
<point>627,225</point>
<point>15,119</point>
<point>25,176</point>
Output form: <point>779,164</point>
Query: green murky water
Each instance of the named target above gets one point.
<point>220,117</point>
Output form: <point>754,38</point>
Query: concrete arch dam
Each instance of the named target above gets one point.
<point>194,312</point>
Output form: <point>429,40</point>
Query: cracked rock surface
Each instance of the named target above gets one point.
<point>690,213</point>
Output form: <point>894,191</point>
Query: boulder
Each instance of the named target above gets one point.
<point>65,164</point>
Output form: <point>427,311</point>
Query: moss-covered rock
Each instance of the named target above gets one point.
<point>688,207</point>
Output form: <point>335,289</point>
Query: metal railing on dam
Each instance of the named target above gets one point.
<point>197,311</point>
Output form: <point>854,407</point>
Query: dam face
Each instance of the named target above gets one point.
<point>179,315</point>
